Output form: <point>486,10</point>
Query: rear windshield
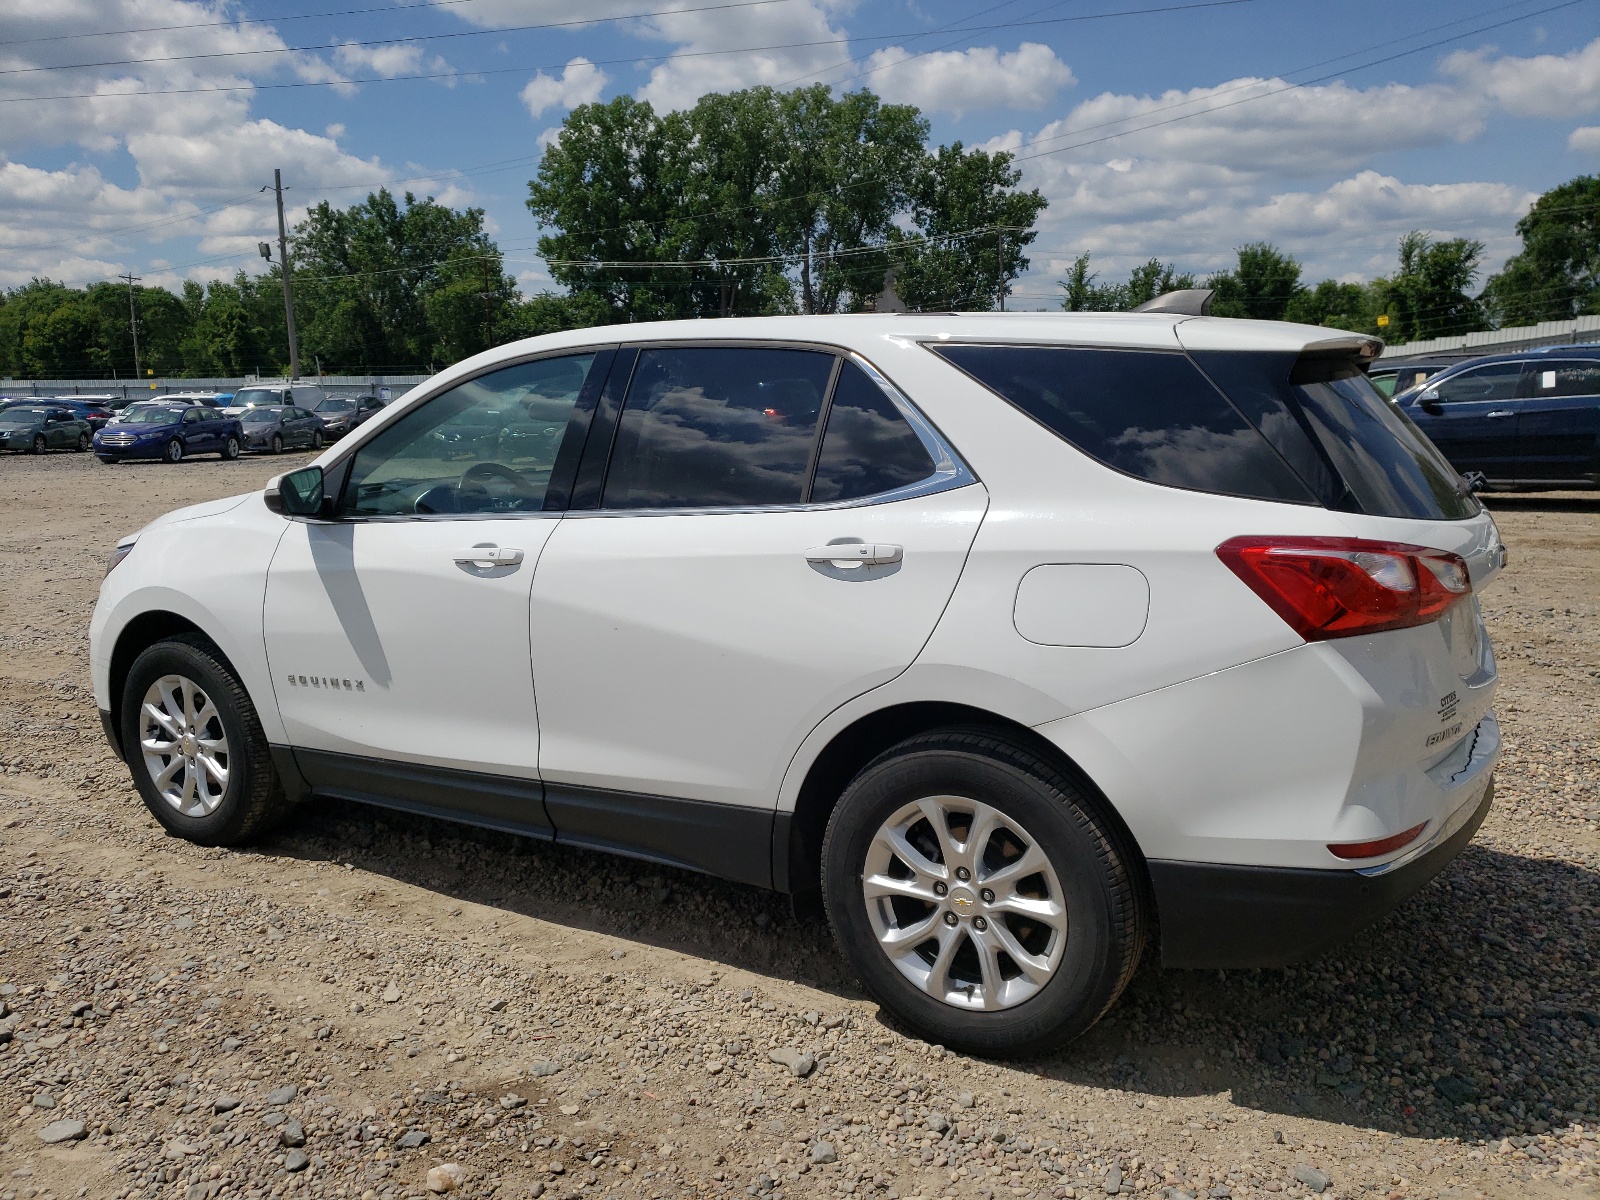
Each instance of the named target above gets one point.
<point>1147,413</point>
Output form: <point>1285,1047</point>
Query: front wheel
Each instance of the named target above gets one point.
<point>230,448</point>
<point>40,445</point>
<point>277,444</point>
<point>174,451</point>
<point>980,894</point>
<point>195,746</point>
<point>316,439</point>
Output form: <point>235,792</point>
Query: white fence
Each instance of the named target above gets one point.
<point>1492,341</point>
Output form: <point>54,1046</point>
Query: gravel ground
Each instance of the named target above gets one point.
<point>376,1006</point>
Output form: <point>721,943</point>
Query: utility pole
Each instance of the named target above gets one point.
<point>133,320</point>
<point>1000,269</point>
<point>283,267</point>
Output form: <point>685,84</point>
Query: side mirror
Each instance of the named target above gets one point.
<point>297,494</point>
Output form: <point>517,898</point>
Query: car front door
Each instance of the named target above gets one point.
<point>705,603</point>
<point>398,632</point>
<point>57,424</point>
<point>1472,418</point>
<point>198,436</point>
<point>1558,427</point>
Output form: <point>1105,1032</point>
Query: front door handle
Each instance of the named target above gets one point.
<point>489,556</point>
<point>855,554</point>
<point>1500,412</point>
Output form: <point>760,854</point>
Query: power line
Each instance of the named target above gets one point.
<point>631,60</point>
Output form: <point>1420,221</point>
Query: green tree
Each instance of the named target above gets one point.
<point>1147,281</point>
<point>1428,296</point>
<point>974,226</point>
<point>1336,305</point>
<point>1262,285</point>
<point>1556,274</point>
<point>549,312</point>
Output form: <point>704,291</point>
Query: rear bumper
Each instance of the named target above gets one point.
<point>1214,915</point>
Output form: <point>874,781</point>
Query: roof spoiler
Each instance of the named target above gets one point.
<point>1185,302</point>
<point>1364,350</point>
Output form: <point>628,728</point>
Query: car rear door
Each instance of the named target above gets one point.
<point>1558,426</point>
<point>706,603</point>
<point>1472,418</point>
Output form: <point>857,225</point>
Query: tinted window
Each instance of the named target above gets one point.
<point>487,445</point>
<point>1390,468</point>
<point>1149,413</point>
<point>1566,379</point>
<point>868,447</point>
<point>192,417</point>
<point>1497,381</point>
<point>708,426</point>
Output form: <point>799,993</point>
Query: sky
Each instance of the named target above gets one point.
<point>136,135</point>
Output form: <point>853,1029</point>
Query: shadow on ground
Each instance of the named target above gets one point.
<point>1471,1012</point>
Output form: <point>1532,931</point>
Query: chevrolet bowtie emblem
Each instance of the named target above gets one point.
<point>963,902</point>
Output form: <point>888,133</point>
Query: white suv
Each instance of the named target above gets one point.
<point>1019,639</point>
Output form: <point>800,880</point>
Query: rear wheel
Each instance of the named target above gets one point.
<point>84,441</point>
<point>230,448</point>
<point>40,445</point>
<point>194,744</point>
<point>980,895</point>
<point>174,451</point>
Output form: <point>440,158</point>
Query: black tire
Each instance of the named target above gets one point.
<point>40,444</point>
<point>316,439</point>
<point>84,442</point>
<point>230,448</point>
<point>1099,878</point>
<point>254,800</point>
<point>277,444</point>
<point>108,459</point>
<point>174,451</point>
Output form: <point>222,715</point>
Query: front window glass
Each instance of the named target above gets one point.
<point>485,446</point>
<point>1495,382</point>
<point>246,397</point>
<point>193,417</point>
<point>868,447</point>
<point>1150,414</point>
<point>717,426</point>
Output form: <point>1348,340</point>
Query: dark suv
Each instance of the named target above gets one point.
<point>1529,419</point>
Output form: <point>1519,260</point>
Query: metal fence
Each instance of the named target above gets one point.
<point>155,388</point>
<point>1492,341</point>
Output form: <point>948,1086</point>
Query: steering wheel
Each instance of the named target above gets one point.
<point>478,474</point>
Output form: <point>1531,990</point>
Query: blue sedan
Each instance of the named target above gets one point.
<point>171,433</point>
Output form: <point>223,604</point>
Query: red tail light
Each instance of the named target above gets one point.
<point>1381,846</point>
<point>1327,587</point>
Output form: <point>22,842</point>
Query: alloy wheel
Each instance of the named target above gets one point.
<point>174,451</point>
<point>183,745</point>
<point>965,903</point>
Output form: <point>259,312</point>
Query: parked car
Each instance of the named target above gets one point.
<point>209,399</point>
<point>1397,378</point>
<point>274,428</point>
<point>341,414</point>
<point>1528,420</point>
<point>169,431</point>
<point>1010,637</point>
<point>304,395</point>
<point>92,411</point>
<point>36,427</point>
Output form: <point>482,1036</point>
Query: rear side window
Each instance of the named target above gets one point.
<point>718,426</point>
<point>1148,413</point>
<point>1566,379</point>
<point>869,447</point>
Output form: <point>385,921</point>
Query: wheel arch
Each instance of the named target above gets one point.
<point>797,835</point>
<point>138,635</point>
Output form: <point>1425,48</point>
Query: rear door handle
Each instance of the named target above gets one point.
<point>489,556</point>
<point>1500,412</point>
<point>851,554</point>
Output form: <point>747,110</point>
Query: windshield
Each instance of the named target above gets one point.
<point>249,396</point>
<point>259,416</point>
<point>335,404</point>
<point>15,418</point>
<point>151,416</point>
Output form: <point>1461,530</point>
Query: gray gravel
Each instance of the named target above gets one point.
<point>378,1006</point>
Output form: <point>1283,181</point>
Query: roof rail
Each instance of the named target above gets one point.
<point>1185,302</point>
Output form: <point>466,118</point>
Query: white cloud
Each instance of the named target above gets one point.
<point>580,82</point>
<point>1585,140</point>
<point>962,81</point>
<point>1547,85</point>
<point>387,61</point>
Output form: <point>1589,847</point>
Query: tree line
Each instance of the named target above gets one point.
<point>749,203</point>
<point>1554,277</point>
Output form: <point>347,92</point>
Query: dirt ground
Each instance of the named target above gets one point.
<point>367,1000</point>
